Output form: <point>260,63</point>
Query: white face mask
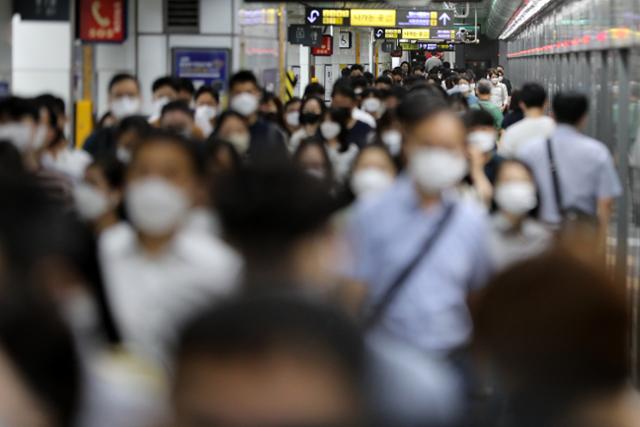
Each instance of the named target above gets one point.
<point>245,104</point>
<point>393,140</point>
<point>358,91</point>
<point>372,105</point>
<point>158,104</point>
<point>206,112</point>
<point>370,181</point>
<point>495,80</point>
<point>293,118</point>
<point>123,154</point>
<point>516,197</point>
<point>482,140</point>
<point>501,78</point>
<point>240,141</point>
<point>90,202</point>
<point>155,206</point>
<point>316,173</point>
<point>330,130</point>
<point>464,88</point>
<point>436,169</point>
<point>124,107</point>
<point>19,134</point>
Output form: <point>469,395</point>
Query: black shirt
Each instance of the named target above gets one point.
<point>512,118</point>
<point>267,142</point>
<point>359,134</point>
<point>491,168</point>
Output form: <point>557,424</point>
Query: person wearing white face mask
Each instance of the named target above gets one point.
<point>374,171</point>
<point>465,88</point>
<point>153,266</point>
<point>267,141</point>
<point>372,103</point>
<point>418,250</point>
<point>164,90</point>
<point>292,115</point>
<point>499,92</point>
<point>233,128</point>
<point>207,108</point>
<point>98,198</point>
<point>516,234</point>
<point>124,101</point>
<point>341,151</point>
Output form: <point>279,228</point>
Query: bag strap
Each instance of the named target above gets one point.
<point>555,179</point>
<point>376,313</point>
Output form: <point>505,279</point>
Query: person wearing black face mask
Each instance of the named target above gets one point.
<point>312,111</point>
<point>343,98</point>
<point>271,109</point>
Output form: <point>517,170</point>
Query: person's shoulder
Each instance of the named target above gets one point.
<point>391,199</point>
<point>117,240</point>
<point>206,250</point>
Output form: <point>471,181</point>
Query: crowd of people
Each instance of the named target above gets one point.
<point>424,248</point>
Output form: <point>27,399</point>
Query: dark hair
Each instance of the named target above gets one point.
<point>343,87</point>
<point>413,80</point>
<point>359,81</point>
<point>211,91</point>
<point>214,146</point>
<point>112,169</point>
<point>56,103</point>
<point>431,90</point>
<point>419,106</point>
<point>341,116</point>
<point>446,64</point>
<point>371,91</point>
<point>384,80</point>
<point>405,62</point>
<point>292,101</point>
<point>102,122</point>
<point>40,347</point>
<point>418,67</point>
<point>478,117</point>
<point>138,124</point>
<point>358,67</point>
<point>164,137</point>
<point>533,213</point>
<point>514,104</point>
<point>570,107</point>
<point>186,85</point>
<point>264,210</point>
<point>556,329</point>
<point>369,76</point>
<point>533,95</point>
<point>243,76</point>
<point>314,89</point>
<point>279,115</point>
<point>178,105</point>
<point>396,71</point>
<point>310,142</point>
<point>14,108</point>
<point>483,87</point>
<point>256,326</point>
<point>11,162</point>
<point>345,73</point>
<point>452,81</point>
<point>161,82</point>
<point>459,100</point>
<point>122,77</point>
<point>323,106</point>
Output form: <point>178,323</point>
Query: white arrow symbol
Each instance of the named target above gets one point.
<point>313,16</point>
<point>444,18</point>
<point>379,33</point>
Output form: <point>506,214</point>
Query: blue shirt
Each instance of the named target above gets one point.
<point>586,172</point>
<point>430,310</point>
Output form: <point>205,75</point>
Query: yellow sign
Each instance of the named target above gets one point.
<point>373,17</point>
<point>416,33</point>
<point>334,16</point>
<point>392,33</point>
<point>84,121</point>
<point>408,46</point>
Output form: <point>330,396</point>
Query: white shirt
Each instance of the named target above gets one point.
<point>296,139</point>
<point>499,94</point>
<point>363,116</point>
<point>151,296</point>
<point>518,134</point>
<point>342,162</point>
<point>69,162</point>
<point>510,246</point>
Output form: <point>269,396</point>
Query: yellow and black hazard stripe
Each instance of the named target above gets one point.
<point>290,84</point>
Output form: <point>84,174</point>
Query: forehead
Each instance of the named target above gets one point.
<point>126,85</point>
<point>176,115</point>
<point>247,86</point>
<point>156,152</point>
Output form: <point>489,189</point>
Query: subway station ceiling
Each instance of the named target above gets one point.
<point>492,23</point>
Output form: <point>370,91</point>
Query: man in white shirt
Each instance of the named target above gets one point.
<point>157,273</point>
<point>535,125</point>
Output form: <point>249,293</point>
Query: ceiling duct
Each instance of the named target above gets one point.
<point>499,16</point>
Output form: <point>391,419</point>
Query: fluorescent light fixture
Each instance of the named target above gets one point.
<point>530,10</point>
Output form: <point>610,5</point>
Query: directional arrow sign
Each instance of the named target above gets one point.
<point>313,16</point>
<point>444,18</point>
<point>378,33</point>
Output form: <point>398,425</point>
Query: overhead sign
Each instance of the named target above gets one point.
<point>320,16</point>
<point>325,48</point>
<point>407,46</point>
<point>203,66</point>
<point>387,33</point>
<point>435,33</point>
<point>443,47</point>
<point>305,35</point>
<point>42,10</point>
<point>417,18</point>
<point>373,17</point>
<point>102,21</point>
<point>388,46</point>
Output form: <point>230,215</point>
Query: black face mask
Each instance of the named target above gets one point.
<point>309,118</point>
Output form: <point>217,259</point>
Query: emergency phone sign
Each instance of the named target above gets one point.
<point>102,21</point>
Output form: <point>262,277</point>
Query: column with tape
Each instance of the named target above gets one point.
<point>290,84</point>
